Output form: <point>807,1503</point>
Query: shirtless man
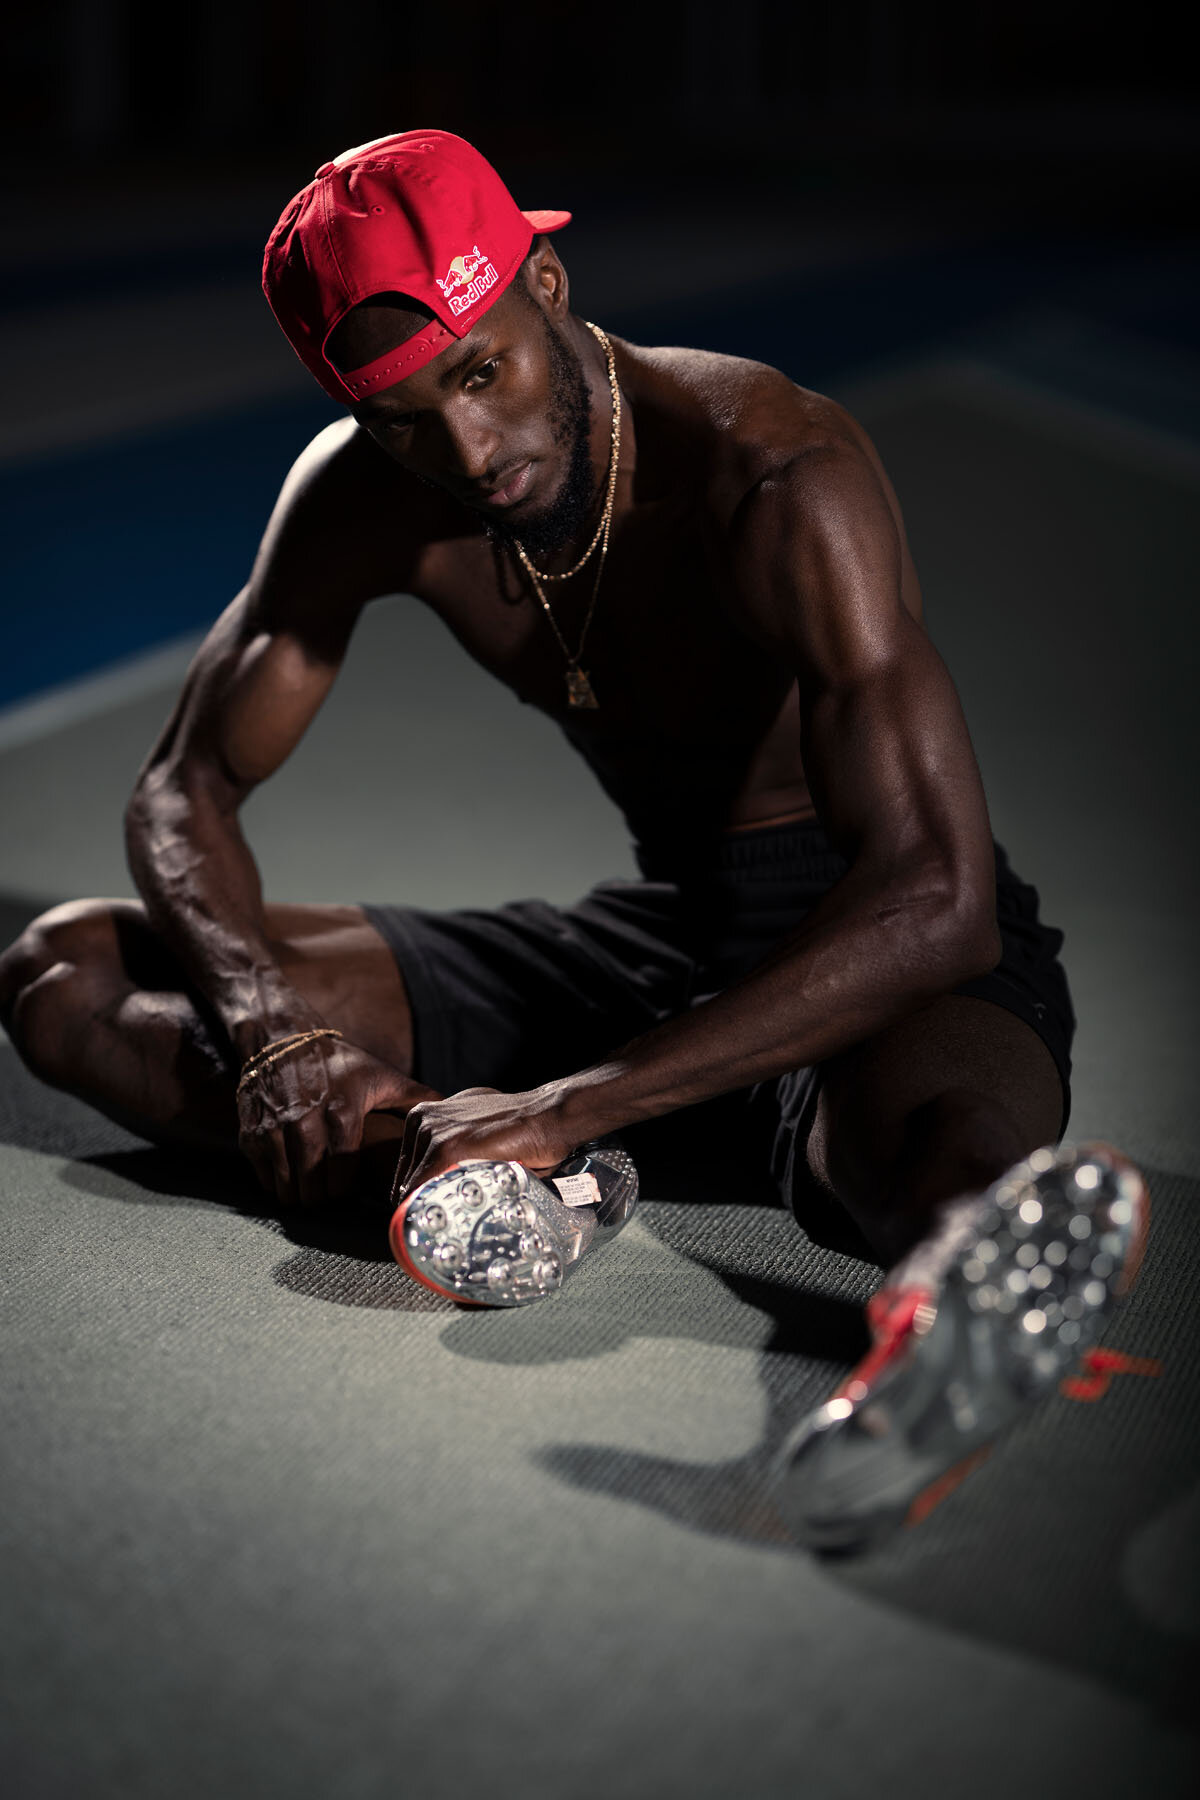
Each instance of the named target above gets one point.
<point>825,923</point>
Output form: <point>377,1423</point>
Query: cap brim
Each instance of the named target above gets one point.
<point>548,221</point>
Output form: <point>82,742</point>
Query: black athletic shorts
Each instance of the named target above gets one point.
<point>519,994</point>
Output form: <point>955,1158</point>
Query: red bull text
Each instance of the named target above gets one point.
<point>466,274</point>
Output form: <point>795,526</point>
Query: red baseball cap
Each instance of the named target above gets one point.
<point>420,213</point>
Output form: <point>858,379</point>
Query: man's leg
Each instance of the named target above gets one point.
<point>95,1004</point>
<point>933,1108</point>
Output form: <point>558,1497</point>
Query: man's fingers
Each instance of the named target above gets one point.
<point>421,1170</point>
<point>281,1175</point>
<point>307,1146</point>
<point>410,1146</point>
<point>314,1158</point>
<point>345,1127</point>
<point>390,1089</point>
<point>262,1142</point>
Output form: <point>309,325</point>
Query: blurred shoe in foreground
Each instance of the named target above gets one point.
<point>1031,1271</point>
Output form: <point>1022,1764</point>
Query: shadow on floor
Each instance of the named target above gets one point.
<point>340,1257</point>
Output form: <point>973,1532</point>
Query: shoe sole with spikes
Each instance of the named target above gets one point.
<point>494,1234</point>
<point>1057,1243</point>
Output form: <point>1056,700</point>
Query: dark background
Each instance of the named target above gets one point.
<point>980,160</point>
<point>1054,110</point>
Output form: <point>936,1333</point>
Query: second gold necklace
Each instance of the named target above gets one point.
<point>579,688</point>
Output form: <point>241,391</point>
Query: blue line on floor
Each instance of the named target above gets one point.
<point>115,548</point>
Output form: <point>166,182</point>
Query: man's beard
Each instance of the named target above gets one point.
<point>569,513</point>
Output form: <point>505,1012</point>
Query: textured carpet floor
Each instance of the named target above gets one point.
<point>280,1517</point>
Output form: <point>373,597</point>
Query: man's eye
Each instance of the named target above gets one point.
<point>483,374</point>
<point>394,425</point>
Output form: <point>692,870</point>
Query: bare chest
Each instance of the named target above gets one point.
<point>651,625</point>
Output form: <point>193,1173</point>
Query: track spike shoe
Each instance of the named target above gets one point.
<point>494,1234</point>
<point>1051,1248</point>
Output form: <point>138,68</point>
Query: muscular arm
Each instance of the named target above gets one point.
<point>890,766</point>
<point>249,695</point>
<point>254,687</point>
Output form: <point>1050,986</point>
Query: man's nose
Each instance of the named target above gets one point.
<point>472,446</point>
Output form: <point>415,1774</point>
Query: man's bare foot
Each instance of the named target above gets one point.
<point>977,1323</point>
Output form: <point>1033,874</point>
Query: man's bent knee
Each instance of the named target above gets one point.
<point>956,1142</point>
<point>51,976</point>
<point>968,1136</point>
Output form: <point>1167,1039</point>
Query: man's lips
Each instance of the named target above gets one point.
<point>514,486</point>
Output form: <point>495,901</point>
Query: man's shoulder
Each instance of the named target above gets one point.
<point>341,531</point>
<point>338,459</point>
<point>745,420</point>
<point>346,495</point>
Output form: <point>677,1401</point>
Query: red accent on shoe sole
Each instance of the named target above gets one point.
<point>1102,1365</point>
<point>400,1252</point>
<point>945,1484</point>
<point>891,1314</point>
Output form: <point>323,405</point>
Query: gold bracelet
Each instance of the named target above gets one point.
<point>261,1057</point>
<point>270,1053</point>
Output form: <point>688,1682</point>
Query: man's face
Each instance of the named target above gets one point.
<point>500,420</point>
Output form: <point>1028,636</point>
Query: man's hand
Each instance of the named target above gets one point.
<point>300,1123</point>
<point>481,1124</point>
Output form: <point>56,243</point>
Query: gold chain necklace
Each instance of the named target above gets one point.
<point>579,688</point>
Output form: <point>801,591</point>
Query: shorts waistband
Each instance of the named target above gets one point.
<point>766,851</point>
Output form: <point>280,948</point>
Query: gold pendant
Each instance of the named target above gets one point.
<point>579,689</point>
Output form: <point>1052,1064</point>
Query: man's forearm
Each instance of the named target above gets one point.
<point>203,895</point>
<point>864,957</point>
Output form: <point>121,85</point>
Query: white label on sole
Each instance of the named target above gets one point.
<point>577,1190</point>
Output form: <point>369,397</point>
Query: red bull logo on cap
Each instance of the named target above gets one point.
<point>467,280</point>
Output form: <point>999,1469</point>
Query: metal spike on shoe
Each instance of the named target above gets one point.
<point>1056,1244</point>
<point>494,1234</point>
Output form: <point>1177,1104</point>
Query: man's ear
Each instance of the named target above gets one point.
<point>548,280</point>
